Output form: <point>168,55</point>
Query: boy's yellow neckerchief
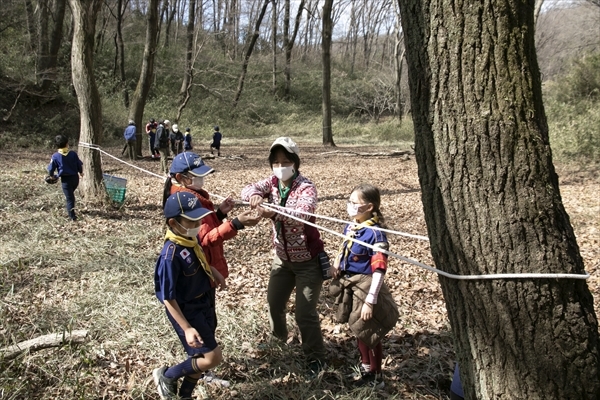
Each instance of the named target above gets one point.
<point>347,243</point>
<point>64,150</point>
<point>180,240</point>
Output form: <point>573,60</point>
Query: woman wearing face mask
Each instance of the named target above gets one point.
<point>297,248</point>
<point>188,172</point>
<point>364,300</point>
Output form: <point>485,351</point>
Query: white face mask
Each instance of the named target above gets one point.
<point>189,232</point>
<point>284,173</point>
<point>197,182</point>
<point>353,209</point>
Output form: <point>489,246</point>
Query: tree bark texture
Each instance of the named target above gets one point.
<point>492,202</point>
<point>138,101</point>
<point>326,57</point>
<point>90,108</point>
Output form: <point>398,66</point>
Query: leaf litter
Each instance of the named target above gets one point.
<point>97,274</point>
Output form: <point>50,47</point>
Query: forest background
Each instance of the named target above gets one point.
<point>370,108</point>
<point>199,77</point>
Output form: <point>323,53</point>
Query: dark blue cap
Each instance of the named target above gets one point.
<point>189,162</point>
<point>185,204</point>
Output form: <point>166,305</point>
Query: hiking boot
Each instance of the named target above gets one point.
<point>372,380</point>
<point>167,388</point>
<point>211,378</point>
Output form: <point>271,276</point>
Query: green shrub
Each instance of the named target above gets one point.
<point>572,105</point>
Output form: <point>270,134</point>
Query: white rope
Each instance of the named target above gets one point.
<point>96,147</point>
<point>280,210</point>
<point>376,228</point>
<point>432,269</point>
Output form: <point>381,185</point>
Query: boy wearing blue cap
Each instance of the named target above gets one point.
<point>182,282</point>
<point>69,168</point>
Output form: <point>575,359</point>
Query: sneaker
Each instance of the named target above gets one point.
<point>167,388</point>
<point>211,378</point>
<point>372,379</point>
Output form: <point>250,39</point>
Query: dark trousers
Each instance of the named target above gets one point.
<point>69,184</point>
<point>152,138</point>
<point>131,149</point>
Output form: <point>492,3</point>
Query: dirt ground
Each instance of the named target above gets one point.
<point>418,352</point>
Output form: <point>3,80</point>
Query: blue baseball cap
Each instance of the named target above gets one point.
<point>186,205</point>
<point>189,162</point>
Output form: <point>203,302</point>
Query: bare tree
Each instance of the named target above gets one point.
<point>185,85</point>
<point>138,102</point>
<point>274,44</point>
<point>326,56</point>
<point>492,203</point>
<point>90,108</point>
<point>49,61</point>
<point>119,64</point>
<point>253,40</point>
<point>399,52</point>
<point>288,43</point>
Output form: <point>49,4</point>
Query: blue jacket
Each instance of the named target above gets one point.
<point>65,165</point>
<point>179,275</point>
<point>358,260</point>
<point>129,132</point>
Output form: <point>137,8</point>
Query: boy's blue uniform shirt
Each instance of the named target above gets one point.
<point>65,165</point>
<point>179,275</point>
<point>359,258</point>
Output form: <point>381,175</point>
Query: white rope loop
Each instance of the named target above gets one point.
<point>285,211</point>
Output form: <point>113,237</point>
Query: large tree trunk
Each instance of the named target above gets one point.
<point>90,108</point>
<point>253,40</point>
<point>138,102</point>
<point>190,49</point>
<point>326,56</point>
<point>492,202</point>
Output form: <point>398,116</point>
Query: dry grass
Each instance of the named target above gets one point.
<point>97,274</point>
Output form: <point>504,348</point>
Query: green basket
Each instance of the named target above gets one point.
<point>115,187</point>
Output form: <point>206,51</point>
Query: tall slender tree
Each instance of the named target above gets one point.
<point>246,61</point>
<point>492,202</point>
<point>90,108</point>
<point>326,84</point>
<point>288,43</point>
<point>190,48</point>
<point>138,102</point>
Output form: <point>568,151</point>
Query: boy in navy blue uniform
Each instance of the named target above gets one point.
<point>216,143</point>
<point>183,281</point>
<point>69,167</point>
